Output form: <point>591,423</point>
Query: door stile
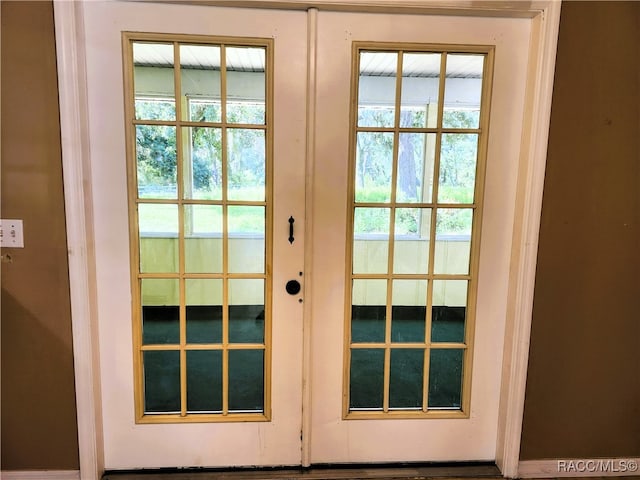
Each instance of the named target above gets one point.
<point>476,232</point>
<point>307,312</point>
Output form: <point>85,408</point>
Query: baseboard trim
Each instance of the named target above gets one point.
<point>40,474</point>
<point>582,467</point>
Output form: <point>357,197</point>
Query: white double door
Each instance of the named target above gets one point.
<point>312,77</point>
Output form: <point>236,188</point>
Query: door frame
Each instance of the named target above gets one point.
<point>545,17</point>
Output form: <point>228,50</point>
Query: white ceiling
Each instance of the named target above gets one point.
<point>252,59</point>
<point>420,65</point>
<point>239,59</point>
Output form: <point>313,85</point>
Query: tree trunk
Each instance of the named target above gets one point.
<point>407,174</point>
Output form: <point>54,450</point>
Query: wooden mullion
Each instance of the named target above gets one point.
<point>161,276</point>
<point>378,345</point>
<point>246,346</point>
<point>183,381</point>
<point>203,346</point>
<point>448,346</point>
<point>248,203</point>
<point>247,276</point>
<point>160,347</point>
<point>375,129</point>
<point>268,245</point>
<point>202,418</point>
<point>159,201</point>
<point>433,232</point>
<point>180,153</point>
<point>387,376</point>
<point>134,244</point>
<point>458,206</point>
<point>245,126</point>
<point>450,276</point>
<point>191,123</point>
<point>160,123</point>
<point>417,130</point>
<point>225,232</point>
<point>436,164</point>
<point>203,276</point>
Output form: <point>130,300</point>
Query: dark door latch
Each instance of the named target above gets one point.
<point>293,287</point>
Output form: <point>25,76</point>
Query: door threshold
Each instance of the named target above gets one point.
<point>415,471</point>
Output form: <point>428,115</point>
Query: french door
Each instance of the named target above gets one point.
<point>287,209</point>
<point>437,382</point>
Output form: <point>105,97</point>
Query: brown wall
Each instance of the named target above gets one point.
<point>38,399</point>
<point>583,389</point>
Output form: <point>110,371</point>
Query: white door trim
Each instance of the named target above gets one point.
<point>533,156</point>
<point>545,16</point>
<point>78,210</point>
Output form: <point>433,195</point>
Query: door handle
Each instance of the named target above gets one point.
<point>291,220</point>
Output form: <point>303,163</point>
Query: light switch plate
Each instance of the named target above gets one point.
<point>11,234</point>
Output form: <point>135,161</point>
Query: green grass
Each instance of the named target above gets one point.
<point>376,220</point>
<point>205,219</point>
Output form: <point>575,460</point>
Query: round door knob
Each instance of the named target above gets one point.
<point>293,287</point>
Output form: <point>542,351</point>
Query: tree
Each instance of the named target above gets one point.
<point>156,155</point>
<point>156,148</point>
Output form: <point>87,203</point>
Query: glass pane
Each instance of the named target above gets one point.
<point>200,82</point>
<point>415,167</point>
<point>204,381</point>
<point>420,86</point>
<point>203,238</point>
<point>246,380</point>
<point>374,161</point>
<point>366,380</point>
<point>445,378</point>
<point>463,91</point>
<point>246,85</point>
<point>411,250</point>
<point>368,310</point>
<point>202,163</point>
<point>155,108</point>
<point>156,161</point>
<point>406,378</point>
<point>201,110</point>
<point>408,313</point>
<point>371,240</point>
<point>246,112</point>
<point>204,310</point>
<point>160,311</point>
<point>246,311</point>
<point>453,240</point>
<point>158,219</point>
<point>377,89</point>
<point>158,230</point>
<point>161,381</point>
<point>246,226</point>
<point>153,80</point>
<point>246,164</point>
<point>458,158</point>
<point>448,310</point>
